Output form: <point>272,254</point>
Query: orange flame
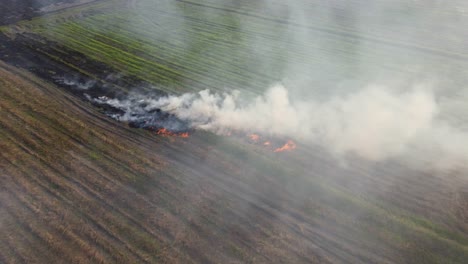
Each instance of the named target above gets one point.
<point>165,132</point>
<point>184,135</point>
<point>290,145</point>
<point>266,143</point>
<point>254,137</point>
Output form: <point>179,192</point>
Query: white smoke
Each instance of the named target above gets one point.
<point>374,123</point>
<point>75,82</point>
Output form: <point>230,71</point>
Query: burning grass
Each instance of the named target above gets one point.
<point>165,132</point>
<point>267,143</point>
<point>290,145</point>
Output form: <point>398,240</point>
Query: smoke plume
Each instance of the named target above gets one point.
<point>375,123</point>
<point>347,70</point>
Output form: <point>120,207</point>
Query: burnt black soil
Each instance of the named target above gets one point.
<point>12,11</point>
<point>53,62</point>
<point>73,71</point>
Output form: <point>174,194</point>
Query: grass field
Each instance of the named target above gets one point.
<point>184,45</point>
<point>79,187</point>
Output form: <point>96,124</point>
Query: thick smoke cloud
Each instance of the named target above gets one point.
<point>374,123</point>
<point>348,69</point>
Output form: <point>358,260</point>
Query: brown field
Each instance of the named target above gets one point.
<point>79,187</point>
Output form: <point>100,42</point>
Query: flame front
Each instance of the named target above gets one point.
<point>166,132</point>
<point>290,145</point>
<point>254,137</point>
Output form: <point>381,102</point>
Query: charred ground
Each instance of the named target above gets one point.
<point>85,78</point>
<point>16,10</point>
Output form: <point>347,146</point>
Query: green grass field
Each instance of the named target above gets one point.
<point>184,46</point>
